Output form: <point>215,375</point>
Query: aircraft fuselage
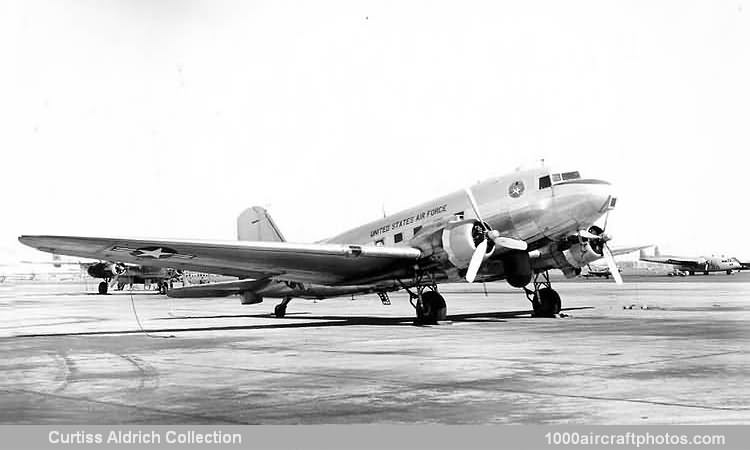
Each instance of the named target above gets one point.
<point>519,205</point>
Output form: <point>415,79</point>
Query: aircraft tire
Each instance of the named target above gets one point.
<point>279,310</point>
<point>103,286</point>
<point>433,308</point>
<point>547,303</point>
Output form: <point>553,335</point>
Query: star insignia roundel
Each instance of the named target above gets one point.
<point>154,252</point>
<point>516,189</point>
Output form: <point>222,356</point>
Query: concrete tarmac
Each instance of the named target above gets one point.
<point>643,353</point>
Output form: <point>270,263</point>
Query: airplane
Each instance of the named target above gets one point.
<point>24,270</point>
<point>691,265</point>
<point>118,274</point>
<point>599,271</point>
<point>514,227</point>
<point>595,270</point>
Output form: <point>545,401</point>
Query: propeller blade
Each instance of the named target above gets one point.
<point>612,264</point>
<point>476,261</point>
<point>474,205</point>
<point>606,219</point>
<point>501,241</point>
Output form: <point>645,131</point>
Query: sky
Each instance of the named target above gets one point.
<point>167,118</point>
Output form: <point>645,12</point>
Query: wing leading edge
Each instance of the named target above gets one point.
<point>315,263</point>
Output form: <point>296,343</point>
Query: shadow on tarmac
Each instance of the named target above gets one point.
<point>310,322</point>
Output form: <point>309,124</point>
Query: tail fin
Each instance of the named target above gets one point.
<point>255,224</point>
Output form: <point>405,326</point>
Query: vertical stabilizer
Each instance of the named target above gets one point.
<point>255,224</point>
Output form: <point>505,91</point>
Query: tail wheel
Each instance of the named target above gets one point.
<point>432,308</point>
<point>546,303</point>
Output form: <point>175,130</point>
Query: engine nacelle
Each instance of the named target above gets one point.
<point>100,270</point>
<point>250,298</point>
<point>460,242</point>
<point>580,254</point>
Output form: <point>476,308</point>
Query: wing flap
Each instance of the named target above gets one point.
<point>218,289</point>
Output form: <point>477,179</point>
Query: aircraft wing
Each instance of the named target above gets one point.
<point>626,250</point>
<point>676,260</point>
<point>316,263</point>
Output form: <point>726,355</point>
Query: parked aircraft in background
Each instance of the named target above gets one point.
<point>117,274</point>
<point>693,264</point>
<point>515,227</point>
<point>595,270</point>
<point>13,270</point>
<point>599,272</point>
<point>121,274</point>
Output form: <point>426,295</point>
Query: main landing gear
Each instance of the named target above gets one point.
<point>280,309</point>
<point>430,305</point>
<point>544,299</point>
<point>103,287</point>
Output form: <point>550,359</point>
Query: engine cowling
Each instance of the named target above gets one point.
<point>99,270</point>
<point>460,242</point>
<point>106,270</point>
<point>580,254</point>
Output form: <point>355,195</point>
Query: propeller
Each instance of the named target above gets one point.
<point>501,241</point>
<point>602,238</point>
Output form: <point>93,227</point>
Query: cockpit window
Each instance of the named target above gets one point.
<point>544,182</point>
<point>556,177</point>
<point>571,175</point>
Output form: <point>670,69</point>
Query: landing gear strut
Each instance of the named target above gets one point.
<point>430,305</point>
<point>280,309</point>
<point>544,299</point>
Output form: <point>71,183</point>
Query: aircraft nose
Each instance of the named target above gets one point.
<point>585,200</point>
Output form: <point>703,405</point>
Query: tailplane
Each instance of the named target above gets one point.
<point>255,224</point>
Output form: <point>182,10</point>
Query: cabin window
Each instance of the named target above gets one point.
<point>545,182</point>
<point>571,175</point>
<point>459,215</point>
<point>417,230</point>
<point>398,237</point>
<point>379,243</point>
<point>556,177</point>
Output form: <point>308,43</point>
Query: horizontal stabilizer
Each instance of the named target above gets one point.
<point>218,289</point>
